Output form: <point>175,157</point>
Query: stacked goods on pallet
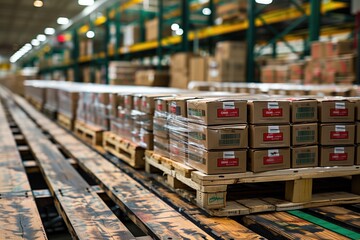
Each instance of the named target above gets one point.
<point>231,11</point>
<point>199,68</point>
<point>228,65</point>
<point>152,30</point>
<point>179,70</point>
<point>67,104</point>
<point>269,134</point>
<point>131,34</point>
<point>35,92</point>
<point>152,78</point>
<point>337,132</point>
<point>86,48</point>
<point>122,73</point>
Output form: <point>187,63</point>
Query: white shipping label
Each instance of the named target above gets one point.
<point>339,150</point>
<point>273,129</point>
<point>228,105</point>
<point>273,153</point>
<point>229,154</point>
<point>214,73</point>
<point>340,105</point>
<point>340,128</point>
<point>273,105</point>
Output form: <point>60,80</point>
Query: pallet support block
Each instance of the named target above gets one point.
<point>65,122</point>
<point>355,184</point>
<point>90,134</point>
<point>214,200</point>
<point>299,190</point>
<point>175,183</point>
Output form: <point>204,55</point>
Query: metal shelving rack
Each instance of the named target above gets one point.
<point>258,17</point>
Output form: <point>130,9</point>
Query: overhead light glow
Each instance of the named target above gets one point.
<point>41,37</point>
<point>49,31</point>
<point>206,11</point>
<point>175,26</point>
<point>90,34</point>
<point>85,2</point>
<point>203,1</point>
<point>35,42</point>
<point>179,32</point>
<point>62,20</point>
<point>38,3</point>
<point>264,1</point>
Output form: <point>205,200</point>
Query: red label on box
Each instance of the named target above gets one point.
<point>336,112</point>
<point>224,113</point>
<point>270,137</point>
<point>173,109</point>
<point>159,107</point>
<point>339,135</point>
<point>272,112</point>
<point>228,162</point>
<point>273,160</point>
<point>338,157</point>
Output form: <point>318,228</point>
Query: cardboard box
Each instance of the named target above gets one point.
<point>337,134</point>
<point>337,156</point>
<point>146,139</point>
<point>161,146</point>
<point>345,47</point>
<point>304,134</point>
<point>218,137</point>
<point>345,65</point>
<point>178,106</point>
<point>268,74</point>
<point>332,110</point>
<point>357,159</point>
<point>179,79</point>
<point>151,30</point>
<point>217,162</point>
<point>296,71</point>
<point>180,62</point>
<point>224,70</point>
<point>217,111</point>
<point>128,101</point>
<point>281,74</point>
<point>131,34</point>
<point>178,151</point>
<point>148,102</point>
<point>320,50</point>
<point>178,130</point>
<point>269,111</point>
<point>152,78</point>
<point>269,136</point>
<point>269,159</point>
<point>161,128</point>
<point>303,110</point>
<point>161,106</point>
<point>231,50</point>
<point>198,69</point>
<point>306,156</point>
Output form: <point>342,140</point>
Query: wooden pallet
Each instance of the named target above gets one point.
<point>65,122</point>
<point>90,134</point>
<point>211,190</point>
<point>126,150</point>
<point>50,113</point>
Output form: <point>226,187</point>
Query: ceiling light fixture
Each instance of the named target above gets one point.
<point>38,3</point>
<point>35,42</point>
<point>264,1</point>
<point>90,34</point>
<point>206,11</point>
<point>62,20</point>
<point>179,32</point>
<point>49,31</point>
<point>175,26</point>
<point>85,2</point>
<point>41,37</point>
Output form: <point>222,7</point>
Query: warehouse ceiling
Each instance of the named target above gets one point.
<point>20,21</point>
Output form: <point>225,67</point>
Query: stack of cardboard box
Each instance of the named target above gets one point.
<point>232,10</point>
<point>269,134</point>
<point>122,72</point>
<point>131,34</point>
<point>152,78</point>
<point>337,132</point>
<point>179,70</point>
<point>152,30</point>
<point>304,132</point>
<point>228,65</point>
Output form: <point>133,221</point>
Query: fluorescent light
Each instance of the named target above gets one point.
<point>179,32</point>
<point>38,3</point>
<point>35,42</point>
<point>263,1</point>
<point>41,37</point>
<point>62,20</point>
<point>206,11</point>
<point>28,45</point>
<point>203,1</point>
<point>175,26</point>
<point>85,2</point>
<point>49,31</point>
<point>90,34</point>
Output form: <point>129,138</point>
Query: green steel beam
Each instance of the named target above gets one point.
<point>160,28</point>
<point>185,25</point>
<point>142,26</point>
<point>314,23</point>
<point>298,6</point>
<point>106,45</point>
<point>211,22</point>
<point>250,40</point>
<point>75,55</point>
<point>118,33</point>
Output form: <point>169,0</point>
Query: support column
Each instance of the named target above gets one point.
<point>75,55</point>
<point>160,29</point>
<point>185,22</point>
<point>250,41</point>
<point>118,33</point>
<point>314,23</point>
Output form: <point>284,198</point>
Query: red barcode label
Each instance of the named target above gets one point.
<point>224,113</point>
<point>272,112</point>
<point>339,135</point>
<point>273,160</point>
<point>270,137</point>
<point>338,157</point>
<point>337,112</point>
<point>228,162</point>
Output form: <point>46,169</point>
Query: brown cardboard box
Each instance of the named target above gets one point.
<point>217,162</point>
<point>146,139</point>
<point>230,50</point>
<point>161,127</point>
<point>337,156</point>
<point>296,71</point>
<point>345,47</point>
<point>268,74</point>
<point>178,130</point>
<point>152,32</point>
<point>345,65</point>
<point>304,134</point>
<point>269,136</point>
<point>178,151</point>
<point>332,110</point>
<point>358,133</point>
<point>148,102</point>
<point>337,134</point>
<point>224,70</point>
<point>151,78</point>
<point>137,101</point>
<point>128,101</point>
<point>179,79</point>
<point>177,106</point>
<point>198,69</point>
<point>320,50</point>
<point>180,62</point>
<point>306,156</point>
<point>161,105</point>
<point>269,159</point>
<point>217,111</point>
<point>161,146</point>
<point>218,137</point>
<point>303,110</point>
<point>281,74</point>
<point>268,112</point>
<point>357,159</point>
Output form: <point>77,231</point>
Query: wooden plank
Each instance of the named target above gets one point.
<point>299,190</point>
<point>343,215</point>
<point>284,225</point>
<point>257,205</point>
